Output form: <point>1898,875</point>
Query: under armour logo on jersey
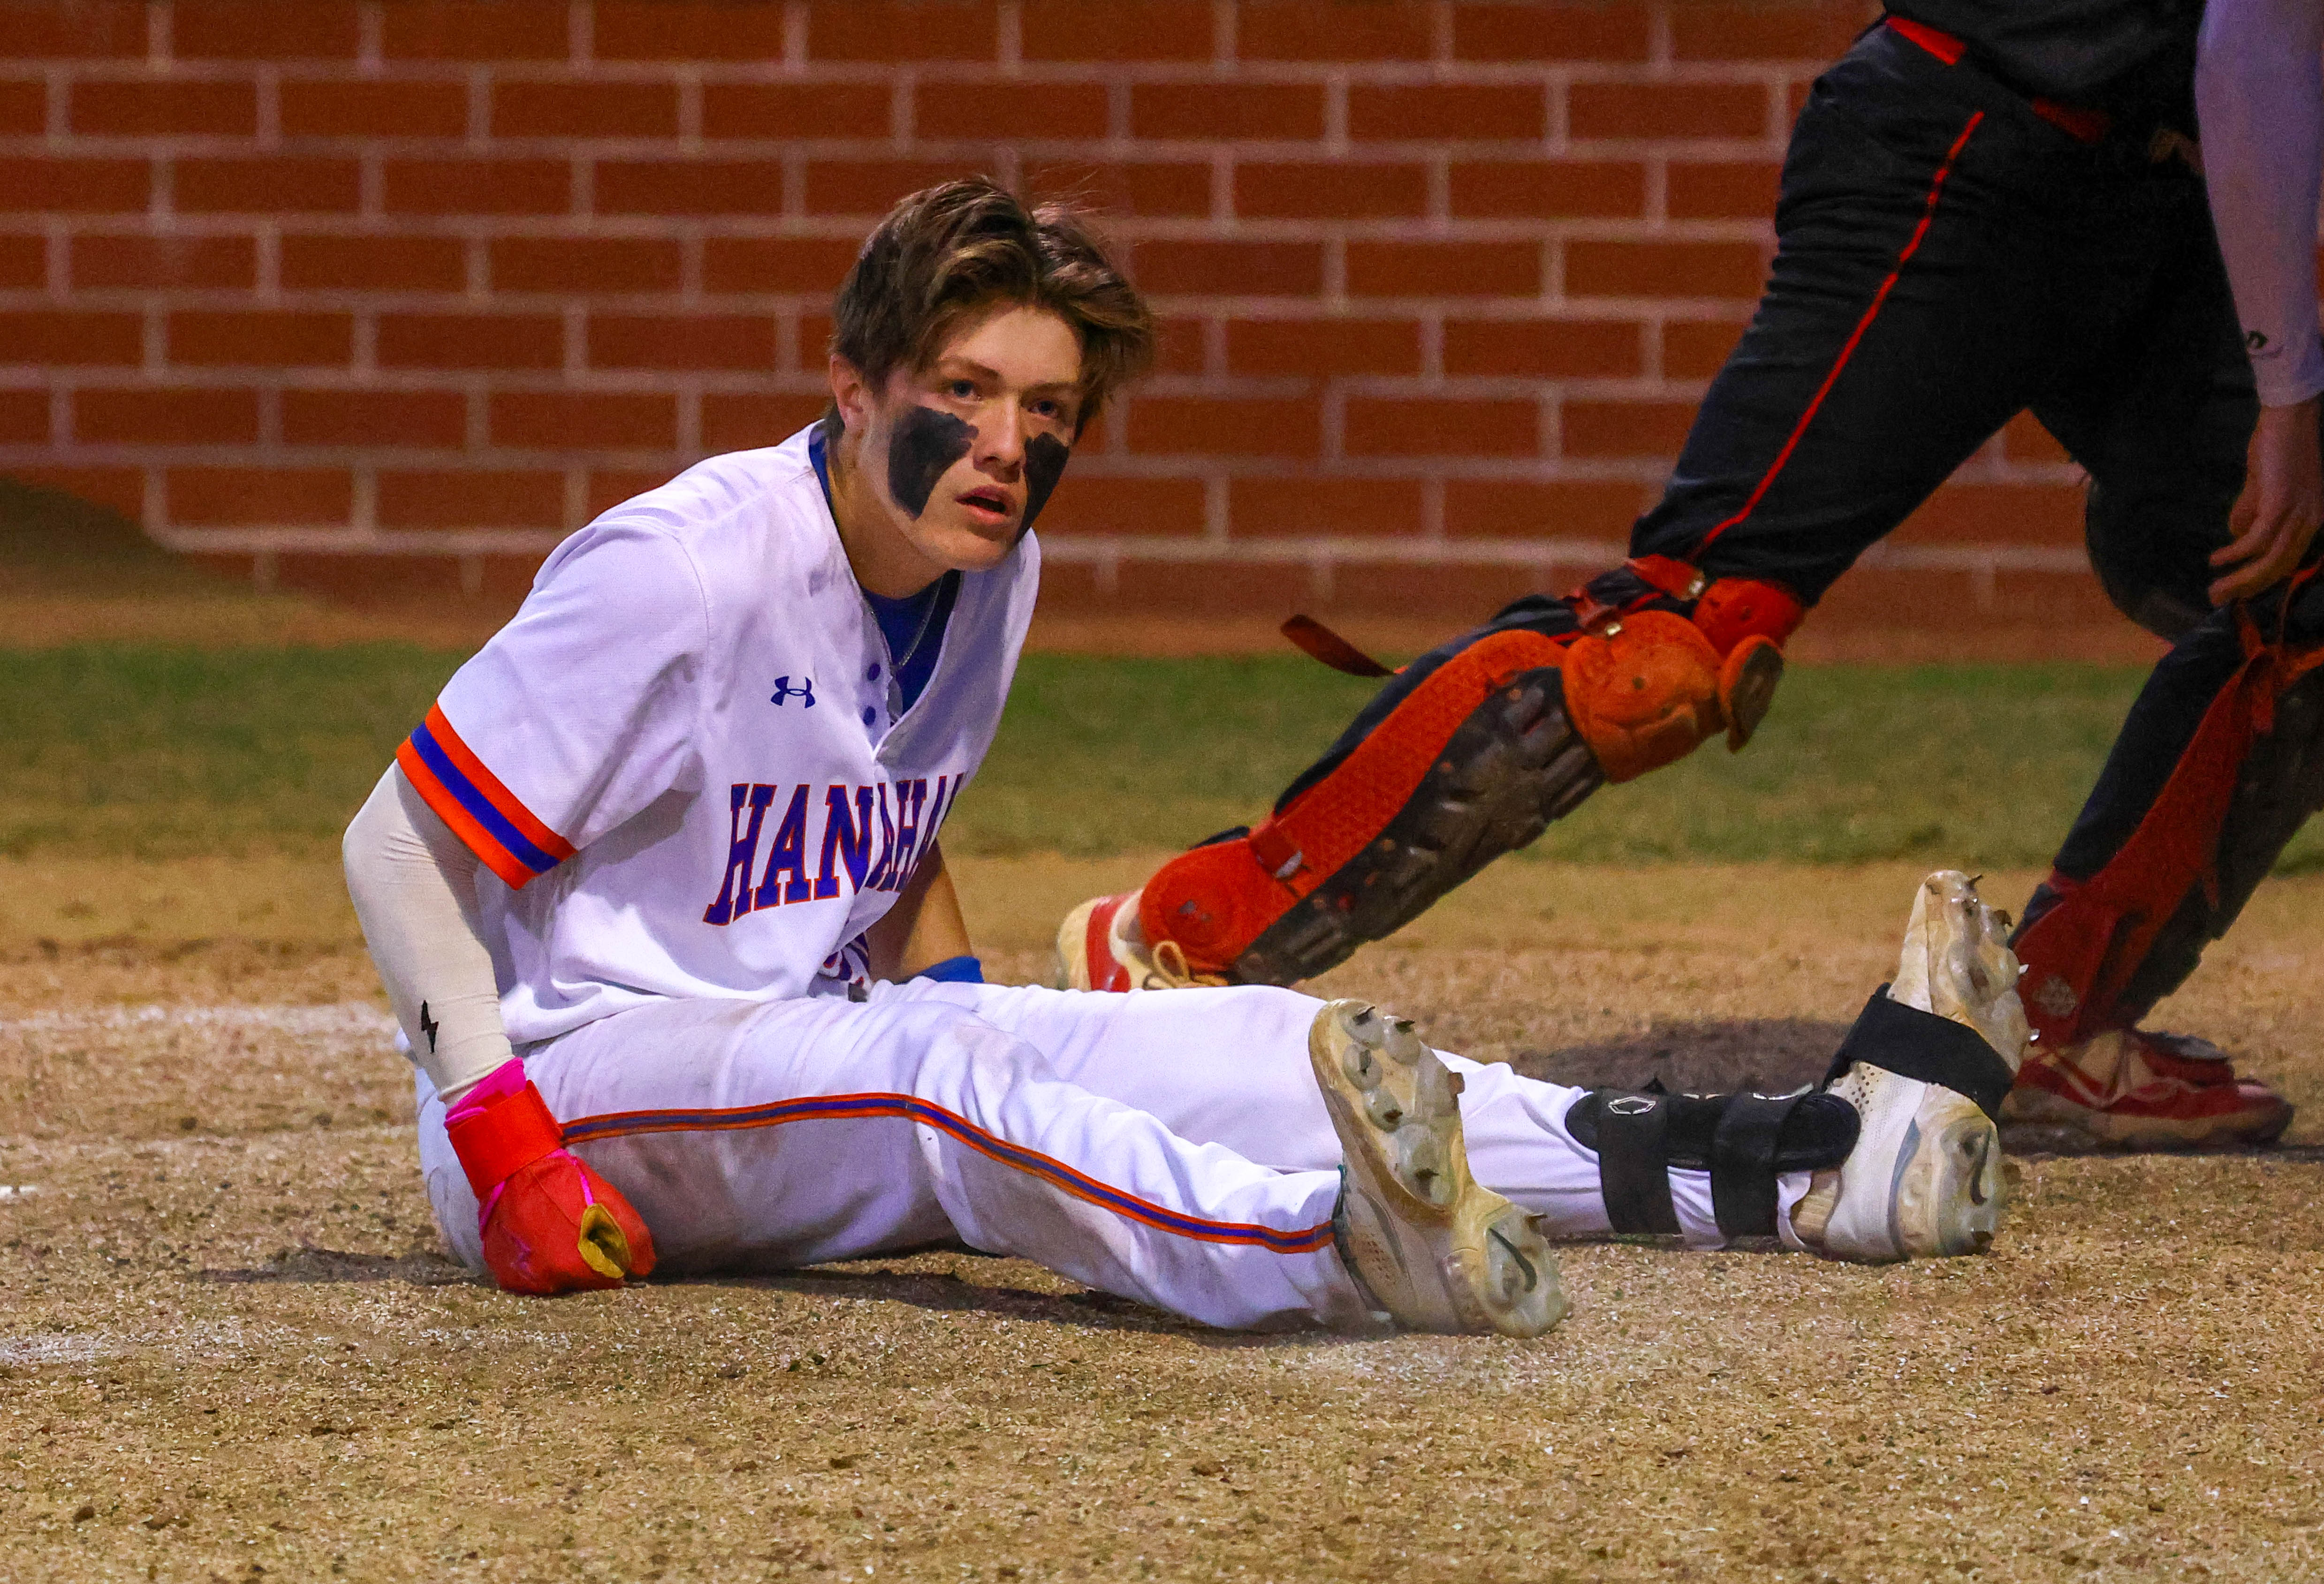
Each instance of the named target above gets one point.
<point>805,690</point>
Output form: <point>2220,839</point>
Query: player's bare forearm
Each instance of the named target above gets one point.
<point>925,927</point>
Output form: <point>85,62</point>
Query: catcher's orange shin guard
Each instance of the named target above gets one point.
<point>1506,735</point>
<point>1217,901</point>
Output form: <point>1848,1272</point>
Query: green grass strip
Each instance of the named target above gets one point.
<point>155,752</point>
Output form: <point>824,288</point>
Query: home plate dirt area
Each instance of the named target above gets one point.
<point>228,1347</point>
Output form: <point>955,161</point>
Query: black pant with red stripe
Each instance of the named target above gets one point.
<point>1947,258</point>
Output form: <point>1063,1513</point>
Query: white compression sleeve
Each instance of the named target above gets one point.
<point>2259,91</point>
<point>414,884</point>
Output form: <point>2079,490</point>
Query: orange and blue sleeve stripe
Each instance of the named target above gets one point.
<point>468,797</point>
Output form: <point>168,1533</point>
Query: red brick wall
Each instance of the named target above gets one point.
<point>432,283</point>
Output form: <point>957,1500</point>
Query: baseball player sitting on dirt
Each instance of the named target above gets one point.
<point>657,893</point>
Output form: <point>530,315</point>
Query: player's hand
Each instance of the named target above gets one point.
<point>550,1224</point>
<point>559,1227</point>
<point>2275,518</point>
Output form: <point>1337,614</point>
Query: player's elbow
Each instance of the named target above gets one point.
<point>365,840</point>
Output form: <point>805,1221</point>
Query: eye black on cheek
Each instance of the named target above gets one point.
<point>926,443</point>
<point>1045,456</point>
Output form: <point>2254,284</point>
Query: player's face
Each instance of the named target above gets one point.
<point>963,455</point>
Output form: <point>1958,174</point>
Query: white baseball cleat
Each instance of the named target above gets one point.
<point>1432,1250</point>
<point>1925,1178</point>
<point>1100,947</point>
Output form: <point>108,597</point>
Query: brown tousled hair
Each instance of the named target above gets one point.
<point>948,253</point>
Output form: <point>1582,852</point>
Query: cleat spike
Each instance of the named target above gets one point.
<point>1423,1241</point>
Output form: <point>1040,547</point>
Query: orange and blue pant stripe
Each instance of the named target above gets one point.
<point>912,1108</point>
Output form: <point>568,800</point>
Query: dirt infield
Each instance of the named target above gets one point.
<point>228,1351</point>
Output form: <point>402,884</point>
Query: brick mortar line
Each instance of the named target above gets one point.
<point>795,17</point>
<point>479,454</point>
<point>348,378</point>
<point>1320,315</point>
<point>894,145</point>
<point>563,226</point>
<point>520,303</point>
<point>1008,44</point>
<point>580,32</point>
<point>615,381</point>
<point>370,28</point>
<point>634,227</point>
<point>1386,386</point>
<point>1779,71</point>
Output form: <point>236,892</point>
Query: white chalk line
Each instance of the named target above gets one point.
<point>342,1018</point>
<point>206,1339</point>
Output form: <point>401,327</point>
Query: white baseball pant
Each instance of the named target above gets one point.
<point>1170,1147</point>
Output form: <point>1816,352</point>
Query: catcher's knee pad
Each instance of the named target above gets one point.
<point>1745,1141</point>
<point>1473,762</point>
<point>2151,571</point>
<point>1649,686</point>
<point>2101,953</point>
<point>1653,688</point>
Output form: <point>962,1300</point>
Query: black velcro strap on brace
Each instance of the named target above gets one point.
<point>1633,1145</point>
<point>1743,1169</point>
<point>1913,1044</point>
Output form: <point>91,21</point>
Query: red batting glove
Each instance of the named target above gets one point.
<point>550,1224</point>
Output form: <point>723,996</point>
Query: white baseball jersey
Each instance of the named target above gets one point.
<point>686,761</point>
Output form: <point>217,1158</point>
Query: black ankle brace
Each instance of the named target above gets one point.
<point>1746,1141</point>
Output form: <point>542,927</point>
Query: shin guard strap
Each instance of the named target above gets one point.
<point>1913,1044</point>
<point>1632,1138</point>
<point>1743,1170</point>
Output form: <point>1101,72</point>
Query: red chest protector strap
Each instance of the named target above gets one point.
<point>1321,643</point>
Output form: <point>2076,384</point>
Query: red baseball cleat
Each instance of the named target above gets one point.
<point>1100,947</point>
<point>2133,1089</point>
